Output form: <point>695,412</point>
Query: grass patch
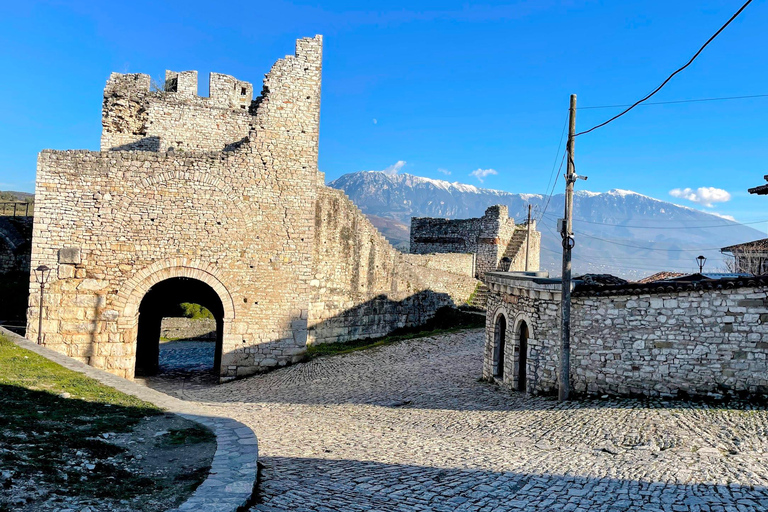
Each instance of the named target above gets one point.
<point>191,435</point>
<point>446,320</point>
<point>195,311</point>
<point>49,438</point>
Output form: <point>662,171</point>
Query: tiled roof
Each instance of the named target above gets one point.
<point>660,276</point>
<point>761,244</point>
<point>669,286</point>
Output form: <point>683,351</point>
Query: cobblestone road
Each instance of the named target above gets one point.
<point>408,427</point>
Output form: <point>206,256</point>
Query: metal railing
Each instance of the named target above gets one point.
<point>15,208</point>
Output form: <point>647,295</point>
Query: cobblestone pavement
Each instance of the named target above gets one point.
<point>186,356</point>
<point>408,427</point>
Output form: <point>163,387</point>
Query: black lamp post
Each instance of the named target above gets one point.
<point>42,273</point>
<point>701,260</point>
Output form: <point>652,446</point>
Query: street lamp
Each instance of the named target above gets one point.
<point>42,273</point>
<point>701,260</point>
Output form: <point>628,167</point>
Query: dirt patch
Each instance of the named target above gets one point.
<point>154,466</point>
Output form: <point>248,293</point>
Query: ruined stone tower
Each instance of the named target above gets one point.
<point>218,201</point>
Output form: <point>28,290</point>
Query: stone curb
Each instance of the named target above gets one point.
<point>234,469</point>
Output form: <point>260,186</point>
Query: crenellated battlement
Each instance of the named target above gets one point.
<point>137,118</point>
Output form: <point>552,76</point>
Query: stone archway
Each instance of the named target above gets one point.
<point>499,345</point>
<point>134,291</point>
<point>522,336</point>
<point>162,301</point>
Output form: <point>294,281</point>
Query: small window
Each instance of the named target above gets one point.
<point>242,91</point>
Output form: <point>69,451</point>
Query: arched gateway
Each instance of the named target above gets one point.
<point>162,301</point>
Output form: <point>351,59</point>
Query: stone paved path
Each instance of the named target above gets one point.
<point>408,427</point>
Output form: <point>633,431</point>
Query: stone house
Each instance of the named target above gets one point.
<point>664,338</point>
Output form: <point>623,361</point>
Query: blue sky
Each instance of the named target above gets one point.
<point>446,87</point>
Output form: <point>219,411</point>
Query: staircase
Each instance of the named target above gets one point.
<point>515,245</point>
<point>479,298</point>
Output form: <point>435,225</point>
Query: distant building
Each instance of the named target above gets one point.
<point>497,243</point>
<point>750,257</point>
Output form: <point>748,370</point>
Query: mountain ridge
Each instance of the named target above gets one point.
<point>622,232</point>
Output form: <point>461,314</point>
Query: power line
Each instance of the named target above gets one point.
<point>554,164</point>
<point>651,248</point>
<point>698,100</point>
<point>670,76</point>
<point>667,227</point>
<point>552,191</point>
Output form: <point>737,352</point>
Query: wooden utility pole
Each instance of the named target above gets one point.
<point>567,234</point>
<point>528,238</point>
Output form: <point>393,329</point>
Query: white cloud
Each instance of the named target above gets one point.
<point>375,121</point>
<point>444,171</point>
<point>394,168</point>
<point>705,196</point>
<point>482,173</point>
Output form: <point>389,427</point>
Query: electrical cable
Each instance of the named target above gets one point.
<point>697,100</point>
<point>554,164</point>
<point>551,192</point>
<point>665,227</point>
<point>650,248</point>
<point>670,76</point>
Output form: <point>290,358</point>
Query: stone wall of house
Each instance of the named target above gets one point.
<point>181,328</point>
<point>112,224</point>
<point>363,287</point>
<point>542,317</point>
<point>692,341</point>
<point>491,238</point>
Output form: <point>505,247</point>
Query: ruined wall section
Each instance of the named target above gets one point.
<point>490,238</point>
<point>363,287</point>
<point>135,118</point>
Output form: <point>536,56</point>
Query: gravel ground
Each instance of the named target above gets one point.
<point>409,427</point>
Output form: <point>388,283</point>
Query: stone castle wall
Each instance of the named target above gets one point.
<point>135,118</point>
<point>697,342</point>
<point>179,327</point>
<point>363,287</point>
<point>490,238</point>
<point>114,223</point>
<point>201,190</point>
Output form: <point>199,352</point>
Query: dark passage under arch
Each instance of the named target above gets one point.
<point>162,300</point>
<point>500,333</point>
<point>522,362</point>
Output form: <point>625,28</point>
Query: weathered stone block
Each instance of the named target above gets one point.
<point>69,256</point>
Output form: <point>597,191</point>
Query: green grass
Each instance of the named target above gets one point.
<point>41,432</point>
<point>446,320</point>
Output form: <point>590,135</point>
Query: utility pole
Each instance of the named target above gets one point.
<point>528,238</point>
<point>567,234</point>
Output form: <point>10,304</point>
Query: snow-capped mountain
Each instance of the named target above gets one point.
<point>619,232</point>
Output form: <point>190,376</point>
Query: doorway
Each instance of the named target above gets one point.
<point>500,333</point>
<point>522,362</point>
